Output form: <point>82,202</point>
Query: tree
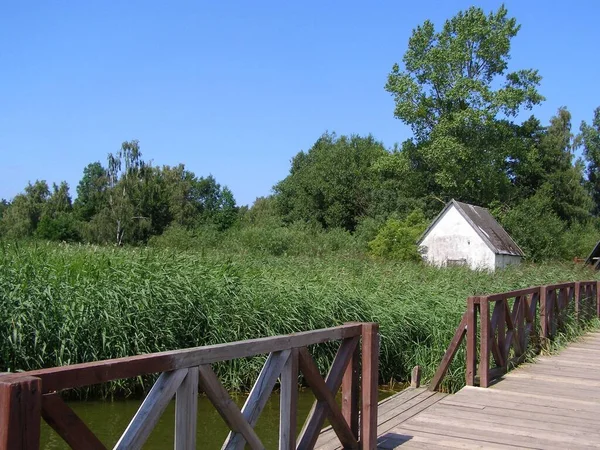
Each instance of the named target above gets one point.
<point>589,138</point>
<point>25,212</point>
<point>448,95</point>
<point>547,165</point>
<point>332,184</point>
<point>4,204</point>
<point>91,191</point>
<point>126,171</point>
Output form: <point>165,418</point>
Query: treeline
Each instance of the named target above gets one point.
<point>455,92</point>
<point>125,202</point>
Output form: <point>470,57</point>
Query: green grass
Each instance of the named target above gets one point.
<point>68,304</point>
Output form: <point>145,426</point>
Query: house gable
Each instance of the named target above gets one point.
<point>452,240</point>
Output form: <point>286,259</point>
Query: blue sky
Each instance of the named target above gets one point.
<point>237,88</point>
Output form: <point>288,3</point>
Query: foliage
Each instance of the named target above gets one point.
<point>331,184</point>
<point>64,304</point>
<point>397,239</point>
<point>536,227</point>
<point>454,88</point>
<point>589,138</point>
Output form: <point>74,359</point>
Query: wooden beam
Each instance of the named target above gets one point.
<point>20,408</point>
<point>323,394</point>
<point>151,409</point>
<point>484,351</point>
<point>259,395</point>
<point>471,341</point>
<point>68,425</point>
<point>415,377</point>
<point>186,411</point>
<point>440,373</point>
<point>85,374</point>
<point>351,392</point>
<point>370,382</point>
<point>288,403</point>
<point>226,407</point>
<point>320,409</point>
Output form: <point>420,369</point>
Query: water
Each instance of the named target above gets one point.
<point>108,420</point>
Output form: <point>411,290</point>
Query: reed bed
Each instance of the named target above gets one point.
<point>64,304</point>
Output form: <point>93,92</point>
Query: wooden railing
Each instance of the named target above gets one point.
<point>28,396</point>
<point>506,324</point>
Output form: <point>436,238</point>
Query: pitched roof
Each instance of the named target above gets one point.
<point>480,219</point>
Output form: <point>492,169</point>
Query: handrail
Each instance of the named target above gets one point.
<point>27,396</point>
<point>506,322</point>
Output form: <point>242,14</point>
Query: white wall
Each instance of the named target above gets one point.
<point>453,238</point>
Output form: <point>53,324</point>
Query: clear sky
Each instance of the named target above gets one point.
<point>236,88</point>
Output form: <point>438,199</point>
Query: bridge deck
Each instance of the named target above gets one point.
<point>553,403</point>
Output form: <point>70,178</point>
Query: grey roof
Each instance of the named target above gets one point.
<point>492,233</point>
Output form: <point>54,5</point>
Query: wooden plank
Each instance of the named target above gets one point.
<point>318,413</point>
<point>537,422</point>
<point>259,395</point>
<point>226,407</point>
<point>151,409</point>
<point>67,424</point>
<point>20,408</point>
<point>432,439</point>
<point>391,414</point>
<point>288,406</point>
<point>532,403</point>
<point>442,369</point>
<point>406,415</point>
<point>511,294</point>
<point>351,392</point>
<point>508,433</point>
<point>544,333</point>
<point>370,382</point>
<point>85,374</point>
<point>186,411</point>
<point>325,396</point>
<point>484,351</point>
<point>548,416</point>
<point>471,341</point>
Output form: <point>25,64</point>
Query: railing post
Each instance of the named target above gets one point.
<point>20,412</point>
<point>597,296</point>
<point>576,298</point>
<point>544,315</point>
<point>370,378</point>
<point>351,392</point>
<point>484,351</point>
<point>288,403</point>
<point>471,340</point>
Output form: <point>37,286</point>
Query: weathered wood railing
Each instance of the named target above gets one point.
<point>507,324</point>
<point>28,396</point>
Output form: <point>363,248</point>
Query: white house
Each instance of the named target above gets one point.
<point>468,235</point>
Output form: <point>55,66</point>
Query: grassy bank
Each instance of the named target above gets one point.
<point>68,304</point>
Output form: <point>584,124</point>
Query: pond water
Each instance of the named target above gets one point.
<point>108,420</point>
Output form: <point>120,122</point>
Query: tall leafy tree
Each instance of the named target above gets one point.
<point>91,191</point>
<point>331,184</point>
<point>457,95</point>
<point>589,138</point>
<point>25,212</point>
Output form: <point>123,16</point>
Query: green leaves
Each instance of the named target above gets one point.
<point>332,184</point>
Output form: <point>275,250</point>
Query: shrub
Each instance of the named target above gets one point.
<point>398,239</point>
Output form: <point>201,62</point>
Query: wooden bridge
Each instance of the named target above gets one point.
<point>548,404</point>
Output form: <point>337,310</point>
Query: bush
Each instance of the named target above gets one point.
<point>63,227</point>
<point>536,228</point>
<point>398,239</point>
